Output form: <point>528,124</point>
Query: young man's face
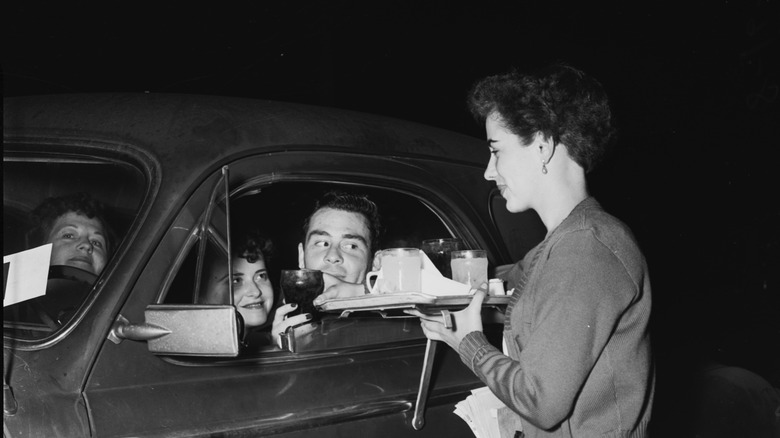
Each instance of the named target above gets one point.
<point>78,241</point>
<point>337,243</point>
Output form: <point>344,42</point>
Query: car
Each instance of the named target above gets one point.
<point>179,173</point>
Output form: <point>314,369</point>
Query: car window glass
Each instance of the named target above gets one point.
<point>278,211</point>
<point>27,183</point>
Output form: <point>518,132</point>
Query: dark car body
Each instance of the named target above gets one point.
<point>157,159</point>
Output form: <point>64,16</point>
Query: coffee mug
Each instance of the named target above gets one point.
<point>400,272</point>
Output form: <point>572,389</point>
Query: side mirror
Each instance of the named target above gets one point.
<point>184,329</point>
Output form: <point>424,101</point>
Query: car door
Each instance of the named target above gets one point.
<point>354,377</point>
<point>49,339</point>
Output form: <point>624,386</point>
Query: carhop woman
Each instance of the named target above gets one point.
<point>577,359</point>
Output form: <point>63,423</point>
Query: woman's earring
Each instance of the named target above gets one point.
<point>544,168</point>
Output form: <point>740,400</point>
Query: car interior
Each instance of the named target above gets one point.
<point>278,211</point>
<point>28,181</point>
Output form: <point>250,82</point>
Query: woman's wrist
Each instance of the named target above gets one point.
<point>472,347</point>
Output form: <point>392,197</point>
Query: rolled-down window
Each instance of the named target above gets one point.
<point>266,225</point>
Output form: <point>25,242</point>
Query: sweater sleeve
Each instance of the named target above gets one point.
<point>473,347</point>
<point>580,294</point>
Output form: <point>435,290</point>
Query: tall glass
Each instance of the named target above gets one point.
<point>302,286</point>
<point>469,267</point>
<point>438,250</point>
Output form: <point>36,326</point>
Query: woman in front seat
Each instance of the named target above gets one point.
<point>82,242</point>
<point>76,227</point>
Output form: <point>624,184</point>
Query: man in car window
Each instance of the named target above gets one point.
<point>76,227</point>
<point>339,239</point>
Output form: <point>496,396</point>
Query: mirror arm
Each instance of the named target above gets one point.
<point>122,329</point>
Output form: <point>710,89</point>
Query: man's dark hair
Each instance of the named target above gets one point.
<point>47,212</point>
<point>351,202</point>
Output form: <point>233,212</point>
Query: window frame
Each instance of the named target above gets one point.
<point>437,203</point>
<point>43,145</point>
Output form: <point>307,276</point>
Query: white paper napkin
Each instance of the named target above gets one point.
<point>433,283</point>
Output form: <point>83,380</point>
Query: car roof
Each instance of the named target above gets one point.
<point>178,140</point>
<point>178,128</point>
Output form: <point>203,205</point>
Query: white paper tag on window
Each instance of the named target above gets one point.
<point>25,274</point>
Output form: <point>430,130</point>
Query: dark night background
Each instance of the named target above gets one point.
<point>695,87</point>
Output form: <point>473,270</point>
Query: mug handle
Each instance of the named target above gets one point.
<point>374,274</point>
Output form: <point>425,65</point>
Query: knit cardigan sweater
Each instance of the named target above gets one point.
<point>576,331</point>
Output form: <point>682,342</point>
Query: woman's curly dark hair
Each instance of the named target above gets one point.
<point>560,102</point>
<point>253,246</point>
<point>47,212</point>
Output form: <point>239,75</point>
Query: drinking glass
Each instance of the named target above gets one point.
<point>302,286</point>
<point>469,267</point>
<point>438,250</point>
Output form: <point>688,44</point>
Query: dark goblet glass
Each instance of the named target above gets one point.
<point>302,286</point>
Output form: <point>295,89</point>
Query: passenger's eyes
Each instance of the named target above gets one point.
<point>261,277</point>
<point>350,246</point>
<point>68,235</point>
<point>237,280</point>
<point>321,243</point>
<point>97,243</point>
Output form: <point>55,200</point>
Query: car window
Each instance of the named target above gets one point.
<point>277,212</point>
<point>43,186</point>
